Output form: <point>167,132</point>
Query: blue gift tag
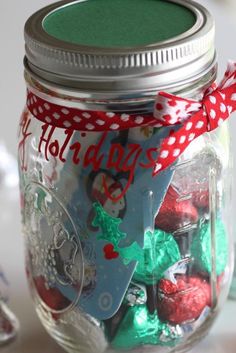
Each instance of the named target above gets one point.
<point>91,231</point>
<point>112,262</point>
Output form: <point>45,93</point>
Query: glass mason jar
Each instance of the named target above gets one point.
<point>118,258</point>
<point>8,322</point>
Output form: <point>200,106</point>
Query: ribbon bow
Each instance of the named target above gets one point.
<point>193,118</point>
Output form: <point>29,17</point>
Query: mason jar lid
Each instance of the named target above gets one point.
<point>120,45</point>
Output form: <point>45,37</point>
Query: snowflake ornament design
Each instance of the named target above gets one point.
<point>54,250</point>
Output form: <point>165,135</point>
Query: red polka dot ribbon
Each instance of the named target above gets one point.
<point>193,118</point>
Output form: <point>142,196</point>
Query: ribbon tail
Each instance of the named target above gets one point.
<point>229,75</point>
<point>172,98</point>
<point>176,143</point>
<point>171,110</point>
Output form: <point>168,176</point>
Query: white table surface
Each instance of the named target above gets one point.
<point>32,337</point>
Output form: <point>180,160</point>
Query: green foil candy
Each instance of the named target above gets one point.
<point>201,248</point>
<point>136,294</point>
<point>139,327</point>
<point>160,251</point>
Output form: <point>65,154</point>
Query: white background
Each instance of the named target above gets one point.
<point>13,14</point>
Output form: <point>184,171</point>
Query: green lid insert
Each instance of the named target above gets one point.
<point>119,23</point>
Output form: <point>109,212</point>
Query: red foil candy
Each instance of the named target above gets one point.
<point>52,297</point>
<point>175,213</point>
<point>200,199</point>
<point>184,301</point>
